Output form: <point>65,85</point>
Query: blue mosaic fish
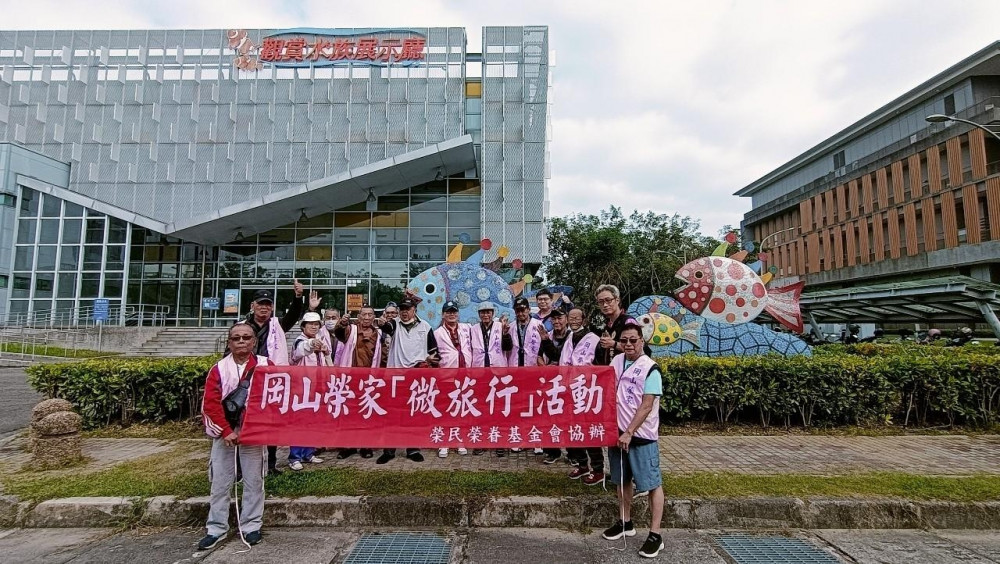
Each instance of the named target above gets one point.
<point>467,284</point>
<point>720,339</point>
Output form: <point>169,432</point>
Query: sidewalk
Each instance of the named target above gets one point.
<point>940,455</point>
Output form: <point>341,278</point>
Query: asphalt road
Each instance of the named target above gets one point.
<point>305,545</point>
<point>16,401</point>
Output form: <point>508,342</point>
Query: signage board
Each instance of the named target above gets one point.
<point>231,301</point>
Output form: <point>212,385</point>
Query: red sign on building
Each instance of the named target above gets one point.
<point>292,49</point>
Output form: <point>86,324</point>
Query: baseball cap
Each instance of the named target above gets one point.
<point>487,306</point>
<point>521,302</point>
<point>557,312</point>
<point>311,316</point>
<point>263,296</point>
<point>406,303</point>
<point>449,306</point>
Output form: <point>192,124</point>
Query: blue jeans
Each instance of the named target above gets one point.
<point>300,453</point>
<point>641,465</point>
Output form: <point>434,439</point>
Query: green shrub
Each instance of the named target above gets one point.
<point>840,385</point>
<point>126,390</point>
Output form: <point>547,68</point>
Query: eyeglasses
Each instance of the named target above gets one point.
<point>626,341</point>
<point>605,301</point>
<point>238,338</point>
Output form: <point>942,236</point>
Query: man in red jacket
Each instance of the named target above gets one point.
<point>222,379</point>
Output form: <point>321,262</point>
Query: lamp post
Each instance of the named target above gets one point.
<point>761,248</point>
<point>941,118</point>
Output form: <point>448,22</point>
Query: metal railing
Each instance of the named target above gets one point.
<point>135,314</point>
<point>28,343</point>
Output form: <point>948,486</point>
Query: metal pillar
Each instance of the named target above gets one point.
<point>816,331</point>
<point>990,316</point>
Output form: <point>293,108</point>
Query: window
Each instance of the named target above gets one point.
<point>949,105</point>
<point>4,280</point>
<point>838,160</point>
<point>473,89</point>
<point>8,200</point>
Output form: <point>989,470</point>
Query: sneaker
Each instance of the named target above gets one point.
<point>209,542</point>
<point>538,451</point>
<point>385,457</point>
<point>416,456</point>
<point>252,538</point>
<point>579,472</point>
<point>551,459</point>
<point>442,453</point>
<point>346,453</point>
<point>295,465</point>
<point>463,451</point>
<point>593,479</point>
<point>652,546</point>
<point>619,530</point>
<point>314,460</point>
<point>515,450</point>
<point>367,453</point>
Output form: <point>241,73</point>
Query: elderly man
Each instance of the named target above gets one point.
<point>224,428</point>
<point>491,343</point>
<point>526,334</point>
<point>270,334</point>
<point>330,318</point>
<point>551,353</point>
<point>636,457</point>
<point>579,351</point>
<point>361,346</point>
<point>389,312</point>
<point>615,318</point>
<point>413,346</point>
<point>454,347</point>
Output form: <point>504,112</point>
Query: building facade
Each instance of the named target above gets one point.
<point>159,167</point>
<point>893,197</point>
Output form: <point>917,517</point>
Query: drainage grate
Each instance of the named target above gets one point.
<point>746,549</point>
<point>400,548</point>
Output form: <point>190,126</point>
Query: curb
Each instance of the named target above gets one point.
<point>519,511</point>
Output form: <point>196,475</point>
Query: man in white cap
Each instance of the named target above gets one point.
<point>453,347</point>
<point>490,342</point>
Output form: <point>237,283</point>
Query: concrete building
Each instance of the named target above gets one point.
<point>156,168</point>
<point>894,218</point>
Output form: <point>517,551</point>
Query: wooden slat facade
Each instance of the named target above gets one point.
<point>897,183</point>
<point>934,169</point>
<point>864,248</point>
<point>910,229</point>
<point>977,153</point>
<point>930,224</point>
<point>867,197</point>
<point>993,207</point>
<point>895,245</point>
<point>852,248</point>
<point>953,150</point>
<point>842,203</point>
<point>831,209</point>
<point>805,212</point>
<point>827,247</point>
<point>878,236</point>
<point>916,180</point>
<point>819,217</point>
<point>882,188</point>
<point>838,247</point>
<point>970,206</point>
<point>853,202</point>
<point>812,252</point>
<point>948,220</point>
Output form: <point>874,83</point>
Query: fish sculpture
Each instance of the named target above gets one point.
<point>465,283</point>
<point>716,338</point>
<point>659,329</point>
<point>725,290</point>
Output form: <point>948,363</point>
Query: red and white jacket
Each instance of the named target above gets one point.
<point>222,379</point>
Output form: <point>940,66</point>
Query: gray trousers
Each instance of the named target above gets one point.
<point>222,474</point>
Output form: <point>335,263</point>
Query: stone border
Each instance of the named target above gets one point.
<point>520,511</point>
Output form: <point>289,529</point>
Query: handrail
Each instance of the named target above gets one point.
<point>132,314</point>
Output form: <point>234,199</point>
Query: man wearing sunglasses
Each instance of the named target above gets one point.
<point>635,459</point>
<point>221,380</point>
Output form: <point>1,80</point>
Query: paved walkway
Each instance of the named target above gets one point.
<point>16,400</point>
<point>956,455</point>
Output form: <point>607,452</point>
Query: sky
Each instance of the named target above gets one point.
<point>666,106</point>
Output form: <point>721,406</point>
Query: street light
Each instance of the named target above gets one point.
<point>941,118</point>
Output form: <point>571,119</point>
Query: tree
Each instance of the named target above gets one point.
<point>640,254</point>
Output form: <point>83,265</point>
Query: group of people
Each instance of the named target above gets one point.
<point>400,339</point>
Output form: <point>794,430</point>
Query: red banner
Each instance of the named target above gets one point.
<point>547,406</point>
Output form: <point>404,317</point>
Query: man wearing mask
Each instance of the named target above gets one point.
<point>491,343</point>
<point>413,346</point>
<point>579,351</point>
<point>361,346</point>
<point>270,337</point>
<point>454,348</point>
<point>526,334</point>
<point>330,318</point>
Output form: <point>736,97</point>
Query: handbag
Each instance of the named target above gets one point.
<point>235,402</point>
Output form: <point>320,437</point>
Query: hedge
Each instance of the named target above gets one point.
<point>839,385</point>
<point>126,390</point>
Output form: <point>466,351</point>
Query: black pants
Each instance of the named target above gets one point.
<point>553,452</point>
<point>272,457</point>
<point>392,451</point>
<point>580,455</point>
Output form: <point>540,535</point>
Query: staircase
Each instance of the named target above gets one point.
<point>191,341</point>
<point>184,341</point>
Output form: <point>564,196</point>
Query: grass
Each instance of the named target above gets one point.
<point>181,472</point>
<point>169,430</point>
<point>51,350</point>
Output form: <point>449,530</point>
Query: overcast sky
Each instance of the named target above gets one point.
<point>666,106</point>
